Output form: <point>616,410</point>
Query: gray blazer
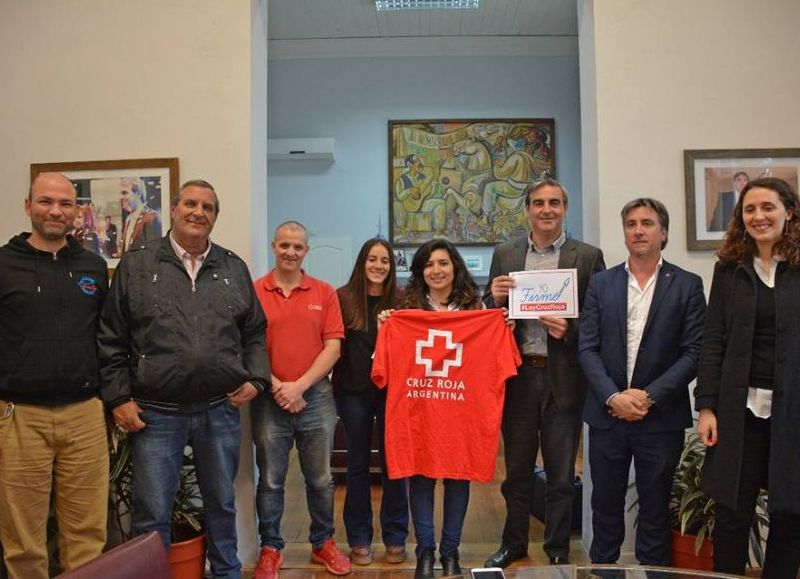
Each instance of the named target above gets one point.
<point>566,376</point>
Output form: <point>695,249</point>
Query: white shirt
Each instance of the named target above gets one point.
<point>759,400</point>
<point>191,263</point>
<point>639,301</point>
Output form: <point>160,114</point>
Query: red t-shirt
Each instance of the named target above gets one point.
<point>446,373</point>
<point>298,324</point>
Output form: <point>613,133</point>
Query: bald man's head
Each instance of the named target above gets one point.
<point>52,204</point>
<point>47,179</point>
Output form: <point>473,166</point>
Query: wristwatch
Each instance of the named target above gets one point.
<point>649,398</point>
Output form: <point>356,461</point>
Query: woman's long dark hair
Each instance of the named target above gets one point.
<point>465,292</point>
<point>739,248</point>
<point>354,294</point>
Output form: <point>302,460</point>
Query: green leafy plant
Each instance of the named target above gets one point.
<point>187,510</point>
<point>692,510</point>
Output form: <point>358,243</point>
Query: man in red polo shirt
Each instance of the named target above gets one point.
<point>303,343</point>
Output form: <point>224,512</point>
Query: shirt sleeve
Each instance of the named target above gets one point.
<point>380,358</point>
<point>333,327</point>
<point>510,359</point>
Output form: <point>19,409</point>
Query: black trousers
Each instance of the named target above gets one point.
<point>655,456</point>
<point>532,418</point>
<point>732,529</point>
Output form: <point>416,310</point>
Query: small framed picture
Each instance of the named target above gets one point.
<point>714,179</point>
<point>400,260</point>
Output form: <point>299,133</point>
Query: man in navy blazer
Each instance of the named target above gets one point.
<point>641,327</point>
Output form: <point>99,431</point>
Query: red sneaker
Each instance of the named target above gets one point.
<point>329,555</point>
<point>269,561</point>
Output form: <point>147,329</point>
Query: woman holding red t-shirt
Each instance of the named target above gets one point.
<point>372,288</point>
<point>439,281</point>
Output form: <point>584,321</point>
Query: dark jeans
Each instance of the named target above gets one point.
<point>358,411</point>
<point>732,530</point>
<point>275,431</point>
<point>456,500</point>
<point>214,436</point>
<point>531,417</point>
<point>655,456</point>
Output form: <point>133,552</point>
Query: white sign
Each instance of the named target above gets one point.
<point>544,292</point>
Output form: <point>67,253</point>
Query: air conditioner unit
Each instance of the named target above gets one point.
<point>300,149</point>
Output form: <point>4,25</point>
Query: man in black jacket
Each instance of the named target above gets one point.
<point>52,429</point>
<point>182,348</point>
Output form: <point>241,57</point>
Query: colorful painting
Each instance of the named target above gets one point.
<point>465,180</point>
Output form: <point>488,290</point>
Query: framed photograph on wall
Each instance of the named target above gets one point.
<point>464,179</point>
<point>121,203</point>
<point>714,179</point>
<point>401,260</point>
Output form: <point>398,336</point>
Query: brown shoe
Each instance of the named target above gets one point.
<point>395,554</point>
<point>361,555</point>
<point>330,556</point>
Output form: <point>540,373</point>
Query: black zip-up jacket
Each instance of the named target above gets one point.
<point>169,344</point>
<point>49,310</point>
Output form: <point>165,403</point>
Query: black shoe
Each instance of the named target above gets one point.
<point>425,560</point>
<point>503,557</point>
<point>559,560</point>
<point>450,565</point>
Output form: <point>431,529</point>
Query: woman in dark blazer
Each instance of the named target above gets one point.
<point>748,383</point>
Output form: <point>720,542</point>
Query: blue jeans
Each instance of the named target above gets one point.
<point>214,436</point>
<point>274,432</point>
<point>358,411</point>
<point>456,499</point>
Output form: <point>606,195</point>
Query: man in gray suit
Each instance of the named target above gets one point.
<point>545,401</point>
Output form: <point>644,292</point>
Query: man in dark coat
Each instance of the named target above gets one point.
<point>545,400</point>
<point>182,349</point>
<point>640,340</point>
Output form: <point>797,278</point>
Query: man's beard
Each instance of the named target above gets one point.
<point>50,234</point>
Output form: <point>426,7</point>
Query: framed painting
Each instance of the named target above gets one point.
<point>464,180</point>
<point>714,179</point>
<point>121,203</point>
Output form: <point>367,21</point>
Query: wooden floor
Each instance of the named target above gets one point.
<point>481,537</point>
<point>482,530</point>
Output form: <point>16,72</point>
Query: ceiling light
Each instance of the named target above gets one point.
<point>426,4</point>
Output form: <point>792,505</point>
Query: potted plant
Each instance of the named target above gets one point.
<point>692,514</point>
<point>188,550</point>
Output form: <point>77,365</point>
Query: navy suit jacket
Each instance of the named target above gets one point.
<point>668,354</point>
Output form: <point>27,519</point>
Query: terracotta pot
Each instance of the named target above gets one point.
<point>187,559</point>
<point>683,555</point>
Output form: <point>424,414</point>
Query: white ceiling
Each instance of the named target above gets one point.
<point>305,28</point>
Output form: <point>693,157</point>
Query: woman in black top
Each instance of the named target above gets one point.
<point>748,390</point>
<point>372,288</point>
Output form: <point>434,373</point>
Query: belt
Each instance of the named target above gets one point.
<point>535,361</point>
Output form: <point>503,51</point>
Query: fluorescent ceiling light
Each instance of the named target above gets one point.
<point>426,4</point>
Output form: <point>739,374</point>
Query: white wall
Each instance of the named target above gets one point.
<point>717,74</point>
<point>114,79</point>
<point>661,77</point>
